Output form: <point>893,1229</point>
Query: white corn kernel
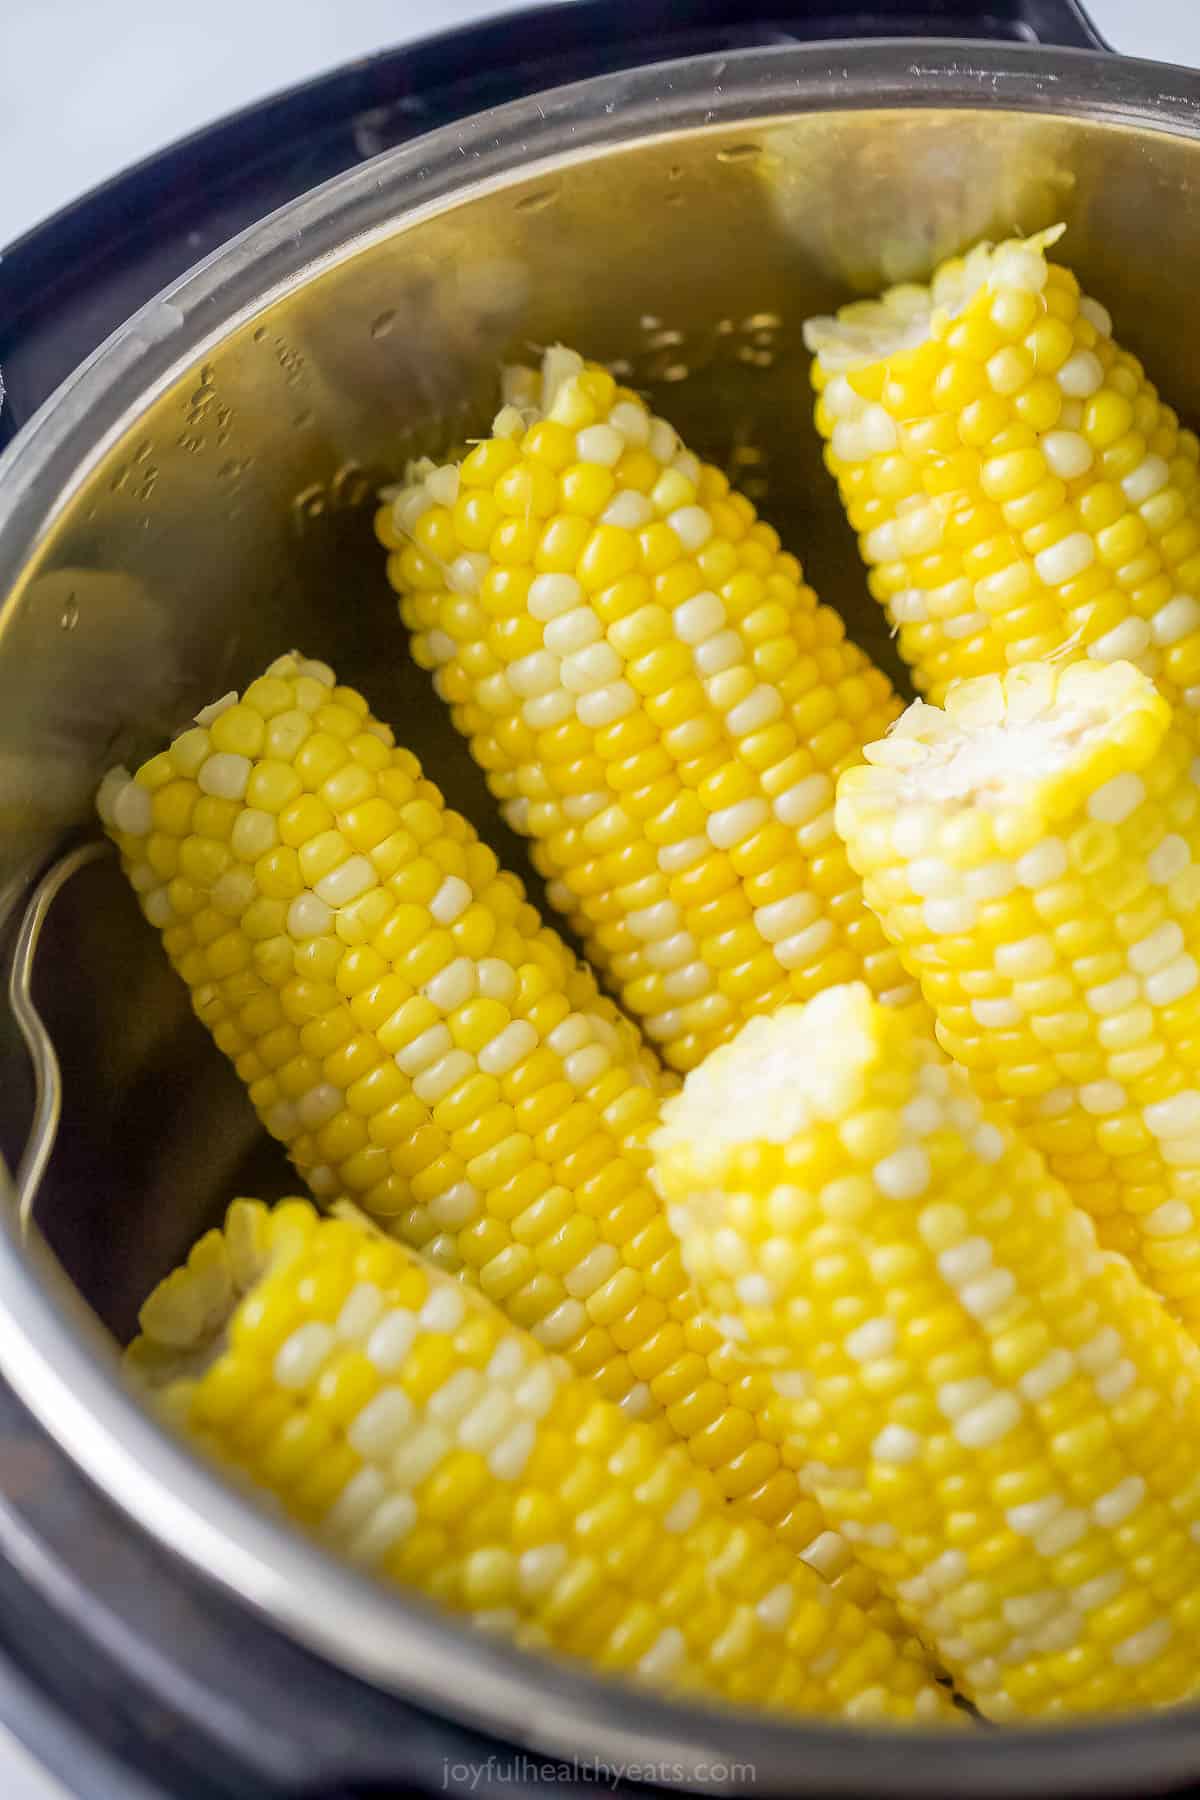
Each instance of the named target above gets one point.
<point>601,444</point>
<point>1143,1646</point>
<point>442,1077</point>
<point>606,705</point>
<point>1080,375</point>
<point>1066,559</point>
<point>1124,643</point>
<point>1113,803</point>
<point>392,1339</point>
<point>308,916</point>
<point>497,979</point>
<point>451,900</point>
<point>319,1105</point>
<point>1173,983</point>
<point>804,800</point>
<point>357,875</point>
<point>509,1047</point>
<point>896,1444</point>
<point>377,1430</point>
<point>699,618</point>
<point>631,420</point>
<point>419,1454</point>
<point>731,825</point>
<point>1067,454</point>
<point>827,1554</point>
<point>903,1175</point>
<point>552,595</point>
<point>562,1326</point>
<point>996,1015</point>
<point>783,918</point>
<point>224,775</point>
<point>1169,858</point>
<point>535,675</point>
<point>1102,1098</point>
<point>302,1354</point>
<point>985,1425</point>
<point>692,525</point>
<point>1148,479</point>
<point>452,986</point>
<point>1177,1117</point>
<point>759,709</point>
<point>803,947</point>
<point>876,1338</point>
<point>573,631</point>
<point>718,653</point>
<point>456,1206</point>
<point>1096,315</point>
<point>1160,947</point>
<point>1047,1376</point>
<point>254,833</point>
<point>391,1521</point>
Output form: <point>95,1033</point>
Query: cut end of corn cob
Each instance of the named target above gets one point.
<point>1018,488</point>
<point>903,318</point>
<point>775,1079</point>
<point>1034,852</point>
<point>1039,741</point>
<point>998,1414</point>
<point>657,700</point>
<point>421,1044</point>
<point>410,1428</point>
<point>185,1319</point>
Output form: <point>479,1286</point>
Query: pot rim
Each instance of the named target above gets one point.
<point>53,1351</point>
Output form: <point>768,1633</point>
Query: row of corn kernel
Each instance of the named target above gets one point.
<point>999,1414</point>
<point>405,1423</point>
<point>1018,488</point>
<point>1035,853</point>
<point>406,1027</point>
<point>655,696</point>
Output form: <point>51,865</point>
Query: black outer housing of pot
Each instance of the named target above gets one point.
<point>123,1673</point>
<point>69,283</point>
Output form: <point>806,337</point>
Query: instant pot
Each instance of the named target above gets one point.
<point>672,187</point>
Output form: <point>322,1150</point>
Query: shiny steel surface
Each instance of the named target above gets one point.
<point>199,498</point>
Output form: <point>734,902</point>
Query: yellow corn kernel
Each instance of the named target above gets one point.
<point>671,697</point>
<point>1056,937</point>
<point>989,1405</point>
<point>474,1092</point>
<point>1077,450</point>
<point>402,1422</point>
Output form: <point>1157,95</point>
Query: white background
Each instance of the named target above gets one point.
<point>86,88</point>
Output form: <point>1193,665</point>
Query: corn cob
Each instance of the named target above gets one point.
<point>999,1414</point>
<point>656,698</point>
<point>1017,486</point>
<point>407,1425</point>
<point>418,1041</point>
<point>1034,851</point>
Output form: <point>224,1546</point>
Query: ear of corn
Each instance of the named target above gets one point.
<point>1018,488</point>
<point>1000,1415</point>
<point>406,1424</point>
<point>1034,851</point>
<point>656,698</point>
<point>418,1041</point>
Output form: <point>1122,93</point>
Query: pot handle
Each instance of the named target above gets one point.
<point>1057,24</point>
<point>1063,23</point>
<point>47,1105</point>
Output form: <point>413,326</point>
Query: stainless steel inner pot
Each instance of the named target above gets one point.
<point>199,497</point>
